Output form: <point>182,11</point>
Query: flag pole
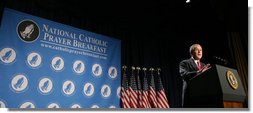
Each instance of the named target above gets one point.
<point>124,69</point>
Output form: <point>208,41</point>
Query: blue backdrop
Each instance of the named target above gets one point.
<point>45,64</point>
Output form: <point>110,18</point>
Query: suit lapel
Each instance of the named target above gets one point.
<point>193,64</point>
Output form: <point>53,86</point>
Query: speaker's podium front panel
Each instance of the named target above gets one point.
<point>218,87</point>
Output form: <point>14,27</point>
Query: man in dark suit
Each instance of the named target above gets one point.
<point>190,68</point>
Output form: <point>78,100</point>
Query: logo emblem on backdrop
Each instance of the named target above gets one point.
<point>76,106</point>
<point>7,55</point>
<point>94,106</point>
<point>112,72</point>
<point>19,83</point>
<point>78,67</point>
<point>88,89</point>
<point>96,70</point>
<point>27,105</point>
<point>2,104</point>
<point>34,59</point>
<point>57,63</point>
<point>105,91</point>
<point>53,105</point>
<point>118,91</point>
<point>112,106</point>
<point>68,87</point>
<point>28,31</point>
<point>45,85</point>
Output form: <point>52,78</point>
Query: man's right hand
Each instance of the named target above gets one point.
<point>206,67</point>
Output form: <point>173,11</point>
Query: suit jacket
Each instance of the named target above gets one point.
<point>187,69</point>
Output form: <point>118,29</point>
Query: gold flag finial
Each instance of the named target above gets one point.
<point>151,70</point>
<point>124,67</point>
<point>138,70</point>
<point>133,68</point>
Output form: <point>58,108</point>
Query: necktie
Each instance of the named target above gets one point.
<point>199,66</point>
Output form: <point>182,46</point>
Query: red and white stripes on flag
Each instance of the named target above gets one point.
<point>162,100</point>
<point>152,90</point>
<point>125,90</point>
<point>125,98</point>
<point>145,92</point>
<point>139,88</point>
<point>152,97</point>
<point>145,100</point>
<point>134,96</point>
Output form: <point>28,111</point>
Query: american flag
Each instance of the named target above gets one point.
<point>125,90</point>
<point>145,101</point>
<point>152,91</point>
<point>139,90</point>
<point>162,100</point>
<point>147,92</point>
<point>133,91</point>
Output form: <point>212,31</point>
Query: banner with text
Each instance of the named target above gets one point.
<point>44,64</point>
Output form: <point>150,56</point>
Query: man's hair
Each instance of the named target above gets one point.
<point>192,48</point>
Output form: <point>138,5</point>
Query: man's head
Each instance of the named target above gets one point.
<point>196,51</point>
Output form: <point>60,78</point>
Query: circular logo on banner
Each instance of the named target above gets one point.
<point>53,105</point>
<point>28,31</point>
<point>27,105</point>
<point>34,59</point>
<point>112,106</point>
<point>78,67</point>
<point>7,55</point>
<point>57,63</point>
<point>112,72</point>
<point>88,89</point>
<point>118,91</point>
<point>232,80</point>
<point>19,83</point>
<point>105,91</point>
<point>94,106</point>
<point>2,104</point>
<point>96,70</point>
<point>68,87</point>
<point>45,85</point>
<point>76,106</point>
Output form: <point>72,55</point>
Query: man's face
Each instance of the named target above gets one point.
<point>197,53</point>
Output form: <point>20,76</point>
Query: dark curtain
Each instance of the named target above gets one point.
<point>158,34</point>
<point>152,53</point>
<point>239,54</point>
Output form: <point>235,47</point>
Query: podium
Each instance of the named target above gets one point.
<point>218,87</point>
